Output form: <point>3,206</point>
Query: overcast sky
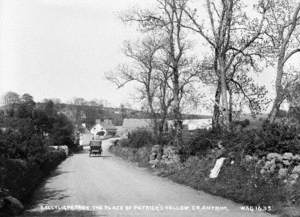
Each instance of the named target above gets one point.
<point>62,48</point>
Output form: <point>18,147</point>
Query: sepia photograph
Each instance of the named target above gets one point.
<point>149,108</point>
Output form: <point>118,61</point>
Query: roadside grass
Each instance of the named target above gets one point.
<point>240,179</point>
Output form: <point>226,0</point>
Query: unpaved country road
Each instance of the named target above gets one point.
<point>107,182</point>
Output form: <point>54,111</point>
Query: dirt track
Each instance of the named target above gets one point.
<point>110,183</point>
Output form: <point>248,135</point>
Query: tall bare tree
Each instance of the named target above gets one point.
<point>232,35</point>
<point>143,67</point>
<point>166,18</point>
<point>284,34</point>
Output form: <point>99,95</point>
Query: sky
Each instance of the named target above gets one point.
<point>63,48</point>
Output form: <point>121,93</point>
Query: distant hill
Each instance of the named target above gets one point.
<point>88,114</point>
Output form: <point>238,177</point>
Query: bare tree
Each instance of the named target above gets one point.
<point>79,101</point>
<point>143,56</point>
<point>10,98</point>
<point>232,35</point>
<point>166,19</point>
<point>284,34</point>
<point>243,90</point>
<point>163,96</point>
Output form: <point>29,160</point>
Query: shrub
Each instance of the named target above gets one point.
<point>277,137</point>
<point>26,133</point>
<point>52,159</point>
<point>61,132</point>
<point>294,112</point>
<point>165,139</point>
<point>123,142</point>
<point>21,177</point>
<point>138,138</point>
<point>198,143</point>
<point>243,123</point>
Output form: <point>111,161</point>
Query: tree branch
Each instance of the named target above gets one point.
<point>291,54</point>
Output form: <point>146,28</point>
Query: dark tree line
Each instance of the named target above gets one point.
<point>27,130</point>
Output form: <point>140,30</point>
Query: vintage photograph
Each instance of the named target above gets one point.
<point>149,108</point>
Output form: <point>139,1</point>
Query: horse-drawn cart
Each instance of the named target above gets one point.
<point>95,147</point>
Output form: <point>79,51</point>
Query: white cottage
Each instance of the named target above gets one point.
<point>98,129</point>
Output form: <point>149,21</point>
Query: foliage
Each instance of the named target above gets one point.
<point>138,139</point>
<point>61,132</point>
<point>239,178</point>
<point>243,123</point>
<point>21,177</point>
<point>26,130</point>
<point>20,140</point>
<point>277,137</point>
<point>197,143</point>
<point>25,133</point>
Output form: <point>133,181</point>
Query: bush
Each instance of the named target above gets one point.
<point>294,112</point>
<point>51,160</point>
<point>21,141</point>
<point>21,177</point>
<point>166,139</point>
<point>18,177</point>
<point>138,138</point>
<point>198,143</point>
<point>25,132</point>
<point>243,123</point>
<point>61,132</point>
<point>277,137</point>
<point>248,185</point>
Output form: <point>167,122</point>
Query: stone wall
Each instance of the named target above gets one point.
<point>268,183</point>
<point>141,155</point>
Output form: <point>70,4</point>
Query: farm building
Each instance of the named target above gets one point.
<point>191,124</point>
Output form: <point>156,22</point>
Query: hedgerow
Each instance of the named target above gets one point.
<point>26,131</point>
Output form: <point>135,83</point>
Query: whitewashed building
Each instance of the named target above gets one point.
<point>130,125</point>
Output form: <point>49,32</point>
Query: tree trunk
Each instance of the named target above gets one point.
<point>279,97</point>
<point>162,123</point>
<point>230,106</point>
<point>153,114</point>
<point>276,106</point>
<point>225,107</point>
<point>176,110</point>
<point>216,112</point>
<point>161,130</point>
<point>155,129</point>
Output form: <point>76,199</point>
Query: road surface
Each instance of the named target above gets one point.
<point>110,186</point>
